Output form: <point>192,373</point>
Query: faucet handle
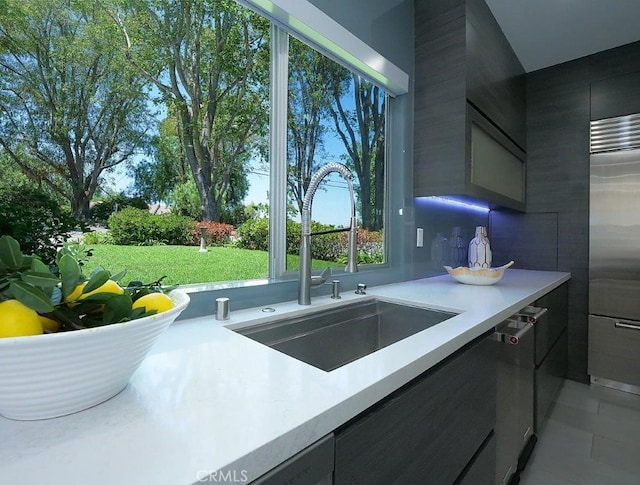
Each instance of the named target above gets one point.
<point>361,288</point>
<point>324,276</point>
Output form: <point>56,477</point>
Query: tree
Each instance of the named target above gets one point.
<point>210,62</point>
<point>156,178</point>
<point>311,76</point>
<point>362,133</point>
<point>10,173</point>
<point>71,106</point>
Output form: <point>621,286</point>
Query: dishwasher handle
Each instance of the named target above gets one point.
<point>531,314</point>
<point>512,338</point>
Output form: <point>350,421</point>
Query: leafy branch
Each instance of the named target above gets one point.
<point>63,293</point>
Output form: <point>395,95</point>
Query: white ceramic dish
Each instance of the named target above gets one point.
<point>477,276</point>
<point>50,375</point>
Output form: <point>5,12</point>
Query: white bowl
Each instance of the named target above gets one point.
<point>50,375</point>
<point>477,276</point>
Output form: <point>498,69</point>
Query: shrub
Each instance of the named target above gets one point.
<point>35,220</point>
<point>94,237</point>
<point>370,246</point>
<point>294,232</point>
<point>133,226</point>
<point>102,210</point>
<point>327,247</point>
<point>235,216</point>
<point>218,233</point>
<point>254,234</point>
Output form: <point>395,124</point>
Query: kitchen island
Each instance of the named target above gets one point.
<point>208,399</point>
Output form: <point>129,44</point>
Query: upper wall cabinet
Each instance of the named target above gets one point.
<point>470,125</point>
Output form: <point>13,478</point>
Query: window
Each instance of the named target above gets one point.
<point>335,115</point>
<point>182,94</point>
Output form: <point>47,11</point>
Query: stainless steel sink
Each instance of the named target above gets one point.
<point>331,338</point>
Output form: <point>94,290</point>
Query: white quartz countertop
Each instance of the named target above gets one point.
<point>208,399</point>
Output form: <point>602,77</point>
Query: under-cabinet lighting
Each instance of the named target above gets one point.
<point>451,202</point>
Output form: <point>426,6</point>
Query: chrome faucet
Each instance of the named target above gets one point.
<point>306,280</point>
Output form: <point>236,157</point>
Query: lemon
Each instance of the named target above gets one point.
<point>154,301</point>
<point>49,324</point>
<point>109,287</point>
<point>18,320</point>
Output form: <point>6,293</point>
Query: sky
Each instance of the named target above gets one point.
<point>331,205</point>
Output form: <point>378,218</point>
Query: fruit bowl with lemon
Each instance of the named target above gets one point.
<point>70,341</point>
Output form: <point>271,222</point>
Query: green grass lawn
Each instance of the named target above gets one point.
<point>185,264</point>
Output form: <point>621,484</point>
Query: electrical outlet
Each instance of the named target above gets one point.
<point>419,237</point>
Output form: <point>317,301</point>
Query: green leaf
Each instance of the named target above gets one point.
<point>117,309</point>
<point>119,276</point>
<point>39,266</point>
<point>69,319</point>
<point>10,253</point>
<point>95,270</point>
<point>87,307</point>
<point>97,279</point>
<point>4,285</point>
<point>33,297</point>
<point>141,292</point>
<point>70,273</point>
<point>42,280</point>
<point>138,313</point>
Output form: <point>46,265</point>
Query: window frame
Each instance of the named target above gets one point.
<point>310,25</point>
<point>315,28</point>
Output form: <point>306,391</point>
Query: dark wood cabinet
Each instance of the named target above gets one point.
<point>551,352</point>
<point>311,466</point>
<point>470,125</point>
<point>482,467</point>
<point>495,77</point>
<point>625,101</point>
<point>429,431</point>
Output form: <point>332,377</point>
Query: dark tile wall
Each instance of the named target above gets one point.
<point>530,240</point>
<point>558,181</point>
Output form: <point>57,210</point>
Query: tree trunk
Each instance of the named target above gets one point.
<point>378,203</point>
<point>80,205</point>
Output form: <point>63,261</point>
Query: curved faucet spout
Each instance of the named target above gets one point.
<point>306,281</point>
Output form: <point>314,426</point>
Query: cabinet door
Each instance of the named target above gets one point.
<point>495,77</point>
<point>496,164</point>
<point>617,96</point>
<point>426,432</point>
<point>549,378</point>
<point>553,323</point>
<point>312,466</point>
<point>482,468</point>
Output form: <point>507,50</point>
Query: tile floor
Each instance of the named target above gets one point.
<point>592,437</point>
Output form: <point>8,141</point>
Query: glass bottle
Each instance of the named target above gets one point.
<point>439,251</point>
<point>457,248</point>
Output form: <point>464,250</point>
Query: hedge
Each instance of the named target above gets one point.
<point>137,227</point>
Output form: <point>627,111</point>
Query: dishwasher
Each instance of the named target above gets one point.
<point>514,431</point>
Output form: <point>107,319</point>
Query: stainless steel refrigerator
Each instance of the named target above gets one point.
<point>614,253</point>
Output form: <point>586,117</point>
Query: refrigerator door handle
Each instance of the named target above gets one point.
<point>627,324</point>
